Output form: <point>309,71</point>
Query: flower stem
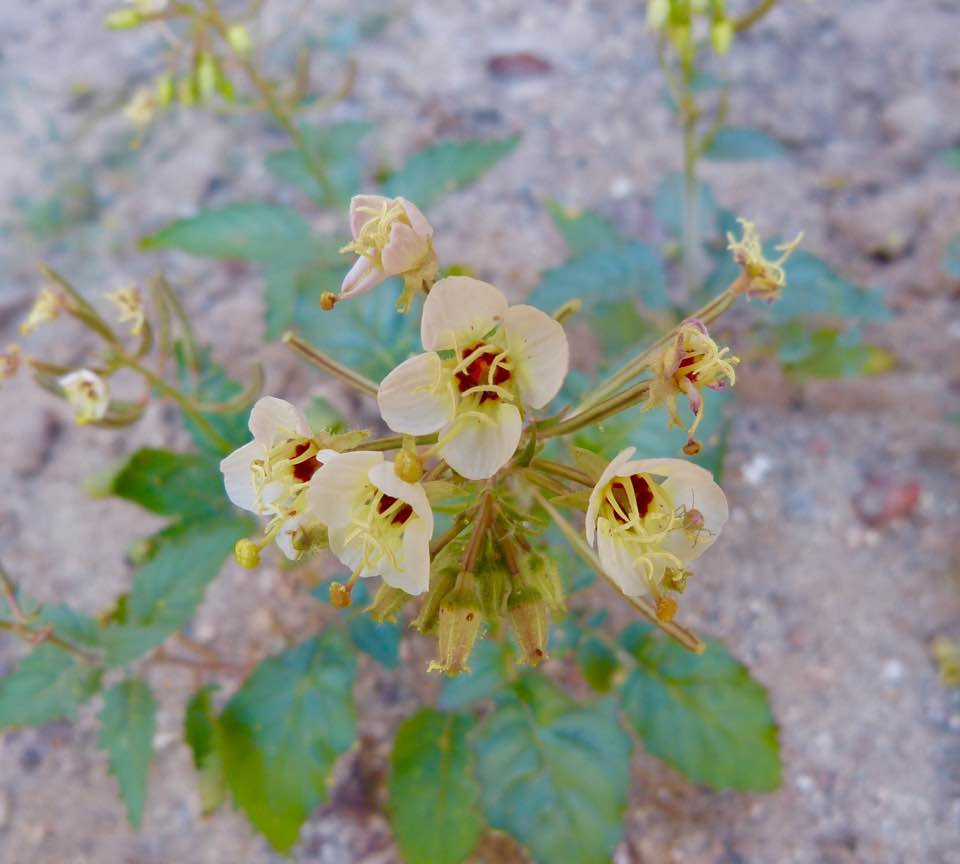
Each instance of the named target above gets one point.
<point>394,442</point>
<point>184,401</point>
<point>568,472</point>
<point>679,634</point>
<point>328,364</point>
<point>481,527</point>
<point>751,18</point>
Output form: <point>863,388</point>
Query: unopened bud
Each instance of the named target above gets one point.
<point>239,39</point>
<point>328,300</point>
<point>407,466</point>
<point>123,19</point>
<point>442,580</point>
<point>310,538</point>
<point>721,35</point>
<point>531,624</point>
<point>458,627</point>
<point>166,89</point>
<point>340,595</point>
<point>666,608</point>
<point>206,76</point>
<point>387,602</point>
<point>247,554</point>
<point>692,447</point>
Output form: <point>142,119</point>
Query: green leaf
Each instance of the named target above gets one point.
<point>814,288</point>
<point>201,732</point>
<point>433,792</point>
<point>248,232</point>
<point>48,685</point>
<point>335,149</point>
<point>171,484</point>
<point>380,641</point>
<point>126,733</point>
<point>555,774</point>
<point>487,676</point>
<point>282,732</point>
<point>668,206</point>
<point>428,175</point>
<point>168,588</point>
<point>740,143</point>
<point>294,285</point>
<point>367,334</point>
<point>703,714</point>
<point>583,230</point>
<point>951,257</point>
<point>598,663</point>
<point>632,271</point>
<point>829,353</point>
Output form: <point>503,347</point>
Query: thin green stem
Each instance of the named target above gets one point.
<point>751,18</point>
<point>589,416</point>
<point>184,401</point>
<point>328,364</point>
<point>568,472</point>
<point>395,442</point>
<point>680,634</point>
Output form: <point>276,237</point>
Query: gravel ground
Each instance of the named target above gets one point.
<point>826,583</point>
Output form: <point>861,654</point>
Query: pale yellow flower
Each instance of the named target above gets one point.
<point>47,307</point>
<point>128,302</point>
<point>765,279</point>
<point>87,394</point>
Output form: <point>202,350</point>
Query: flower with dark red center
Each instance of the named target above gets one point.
<point>486,362</point>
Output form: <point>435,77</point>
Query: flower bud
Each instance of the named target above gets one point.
<point>458,626</point>
<point>387,602</point>
<point>239,39</point>
<point>123,19</point>
<point>407,466</point>
<point>310,538</point>
<point>166,89</point>
<point>247,554</point>
<point>721,35</point>
<point>206,76</point>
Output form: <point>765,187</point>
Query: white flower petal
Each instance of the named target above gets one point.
<point>237,477</point>
<point>414,578</point>
<point>350,554</point>
<point>384,477</point>
<point>598,491</point>
<point>418,221</point>
<point>404,250</point>
<point>335,487</point>
<point>364,202</point>
<point>362,277</point>
<point>272,416</point>
<point>416,398</point>
<point>458,311</point>
<point>617,563</point>
<point>284,538</point>
<point>480,449</point>
<point>538,350</point>
<point>694,488</point>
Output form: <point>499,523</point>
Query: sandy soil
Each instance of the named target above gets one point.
<point>834,613</point>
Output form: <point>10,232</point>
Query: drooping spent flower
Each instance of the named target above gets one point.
<point>764,279</point>
<point>378,524</point>
<point>485,362</point>
<point>686,365</point>
<point>128,302</point>
<point>392,238</point>
<point>649,519</point>
<point>48,306</point>
<point>87,394</point>
<point>271,474</point>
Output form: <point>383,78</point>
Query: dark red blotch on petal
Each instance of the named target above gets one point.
<point>641,491</point>
<point>403,513</point>
<point>477,374</point>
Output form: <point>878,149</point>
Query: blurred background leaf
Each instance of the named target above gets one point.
<point>741,143</point>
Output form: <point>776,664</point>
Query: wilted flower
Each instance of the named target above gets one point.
<point>379,525</point>
<point>87,394</point>
<point>271,474</point>
<point>765,279</point>
<point>686,365</point>
<point>128,302</point>
<point>392,238</point>
<point>495,359</point>
<point>47,307</point>
<point>649,519</point>
<point>9,362</point>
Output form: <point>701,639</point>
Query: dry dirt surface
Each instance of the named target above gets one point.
<point>832,578</point>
